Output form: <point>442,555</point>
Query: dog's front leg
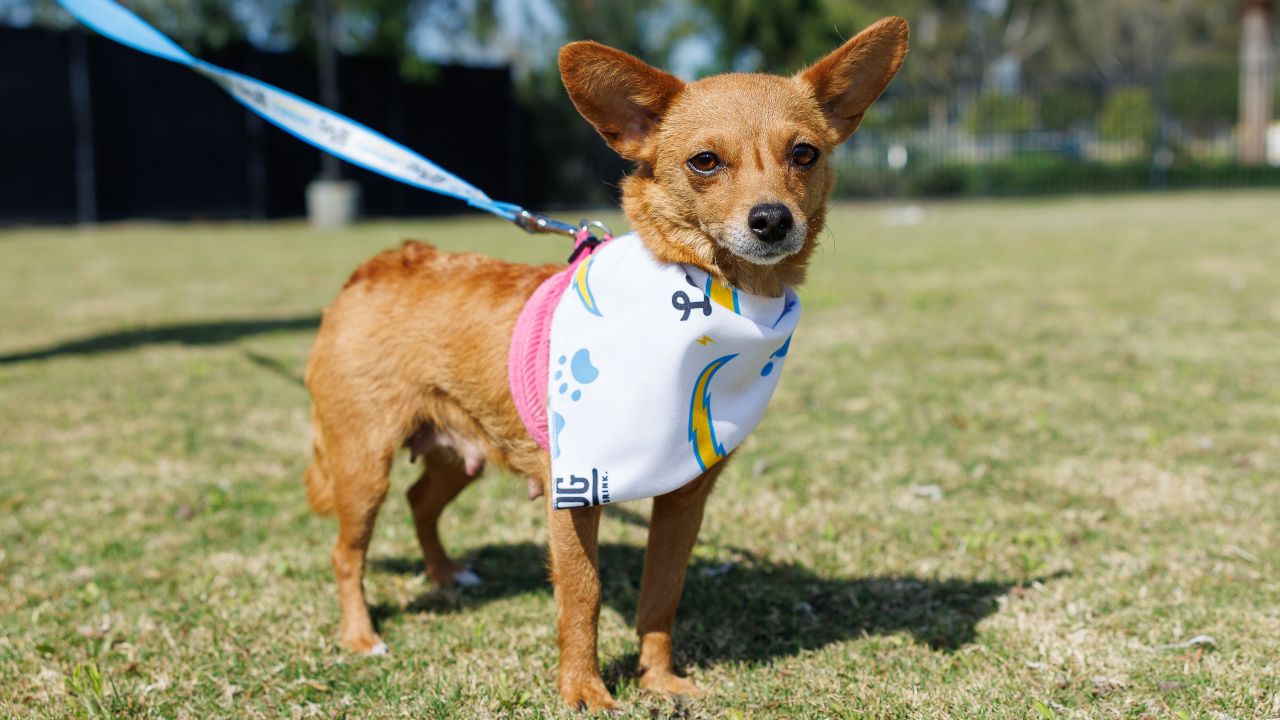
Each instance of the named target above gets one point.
<point>673,529</point>
<point>575,573</point>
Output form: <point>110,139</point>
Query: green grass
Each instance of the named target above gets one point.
<point>1020,448</point>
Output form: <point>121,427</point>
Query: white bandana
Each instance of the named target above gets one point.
<point>656,373</point>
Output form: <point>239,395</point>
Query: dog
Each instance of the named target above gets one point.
<point>732,177</point>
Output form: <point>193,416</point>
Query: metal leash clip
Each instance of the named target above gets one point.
<point>539,223</point>
<point>584,240</point>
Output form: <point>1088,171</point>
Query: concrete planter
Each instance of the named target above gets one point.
<point>332,203</point>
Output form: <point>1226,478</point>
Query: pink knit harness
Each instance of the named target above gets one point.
<point>529,356</point>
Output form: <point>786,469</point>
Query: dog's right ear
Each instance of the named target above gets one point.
<point>620,95</point>
<point>848,80</point>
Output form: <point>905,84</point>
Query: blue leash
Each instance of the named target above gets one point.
<point>333,133</point>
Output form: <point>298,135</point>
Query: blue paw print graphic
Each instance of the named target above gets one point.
<point>779,353</point>
<point>557,424</point>
<point>581,371</point>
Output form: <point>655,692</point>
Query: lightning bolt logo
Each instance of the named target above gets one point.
<point>583,289</point>
<point>702,433</point>
<point>704,340</point>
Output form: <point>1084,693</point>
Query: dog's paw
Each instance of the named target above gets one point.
<point>587,695</point>
<point>365,645</point>
<point>668,683</point>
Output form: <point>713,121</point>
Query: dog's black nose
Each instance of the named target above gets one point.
<point>770,221</point>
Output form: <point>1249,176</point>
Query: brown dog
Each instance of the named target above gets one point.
<point>732,178</point>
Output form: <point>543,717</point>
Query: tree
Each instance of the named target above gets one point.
<point>1136,41</point>
<point>773,35</point>
<point>378,27</point>
<point>191,22</point>
<point>1128,115</point>
<point>1257,84</point>
<point>996,112</point>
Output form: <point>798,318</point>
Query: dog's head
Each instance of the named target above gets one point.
<point>732,170</point>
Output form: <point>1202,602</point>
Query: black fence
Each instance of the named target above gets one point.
<point>146,138</point>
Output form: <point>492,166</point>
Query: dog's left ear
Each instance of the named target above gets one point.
<point>848,80</point>
<point>623,97</point>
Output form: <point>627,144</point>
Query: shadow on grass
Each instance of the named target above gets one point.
<point>752,611</point>
<point>195,333</point>
<point>274,366</point>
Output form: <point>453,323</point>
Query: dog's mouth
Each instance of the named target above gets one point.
<point>745,245</point>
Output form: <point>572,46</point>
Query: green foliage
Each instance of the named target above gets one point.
<point>196,23</point>
<point>1128,115</point>
<point>1204,95</point>
<point>632,26</point>
<point>375,27</point>
<point>1136,41</point>
<point>952,45</point>
<point>1067,107</point>
<point>898,113</point>
<point>193,23</point>
<point>90,695</point>
<point>784,34</point>
<point>999,113</point>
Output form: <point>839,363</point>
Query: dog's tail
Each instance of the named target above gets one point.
<point>319,484</point>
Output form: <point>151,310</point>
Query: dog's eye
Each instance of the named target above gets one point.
<point>804,155</point>
<point>704,163</point>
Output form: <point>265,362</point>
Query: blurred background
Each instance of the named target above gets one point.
<point>998,98</point>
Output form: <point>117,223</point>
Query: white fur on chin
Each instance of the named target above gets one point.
<point>744,244</point>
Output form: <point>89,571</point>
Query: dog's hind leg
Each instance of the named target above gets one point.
<point>673,529</point>
<point>360,486</point>
<point>443,478</point>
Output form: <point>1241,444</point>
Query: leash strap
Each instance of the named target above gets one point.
<point>323,128</point>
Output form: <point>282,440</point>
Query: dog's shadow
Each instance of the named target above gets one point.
<point>749,610</point>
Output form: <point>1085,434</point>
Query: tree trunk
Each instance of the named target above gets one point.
<point>1256,81</point>
<point>327,64</point>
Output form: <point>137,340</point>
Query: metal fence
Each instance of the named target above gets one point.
<point>1077,137</point>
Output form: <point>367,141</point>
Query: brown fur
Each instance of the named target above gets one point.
<point>413,352</point>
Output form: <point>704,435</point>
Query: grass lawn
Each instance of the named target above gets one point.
<point>1023,452</point>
